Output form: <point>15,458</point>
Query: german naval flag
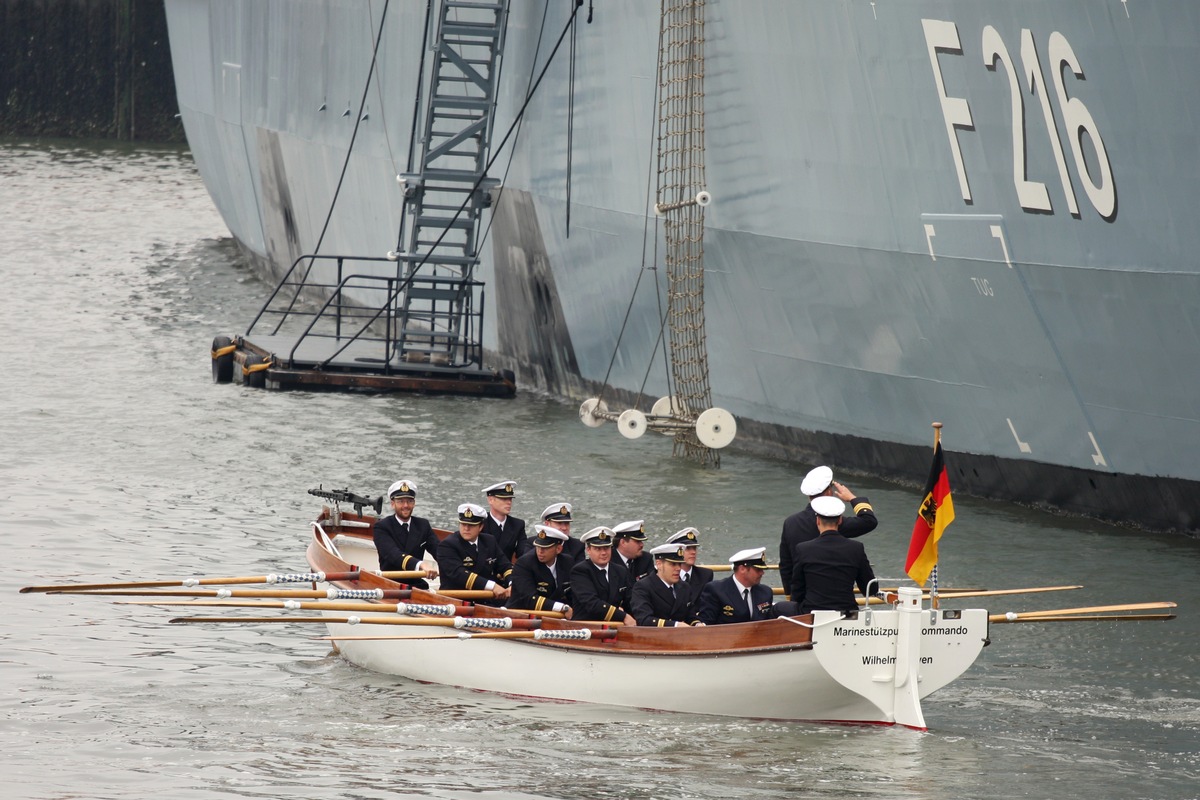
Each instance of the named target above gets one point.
<point>935,514</point>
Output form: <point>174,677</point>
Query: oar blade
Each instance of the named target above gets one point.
<point>1000,618</point>
<point>74,588</point>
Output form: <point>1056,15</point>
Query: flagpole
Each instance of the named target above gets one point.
<point>933,589</point>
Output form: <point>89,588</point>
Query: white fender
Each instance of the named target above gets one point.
<point>716,428</point>
<point>586,412</point>
<point>666,406</point>
<point>631,423</point>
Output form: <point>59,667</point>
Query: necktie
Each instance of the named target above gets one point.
<point>604,581</point>
<point>685,576</point>
<point>746,597</point>
<point>404,528</point>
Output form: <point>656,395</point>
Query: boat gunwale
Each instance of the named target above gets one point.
<point>765,636</point>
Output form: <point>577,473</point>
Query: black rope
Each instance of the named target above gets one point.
<point>528,88</point>
<point>650,173</point>
<point>500,147</point>
<point>516,123</point>
<point>571,117</point>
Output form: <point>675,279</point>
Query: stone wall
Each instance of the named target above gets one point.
<point>87,68</point>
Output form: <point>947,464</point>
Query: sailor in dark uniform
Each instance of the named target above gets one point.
<point>558,516</point>
<point>658,599</point>
<point>402,539</point>
<point>471,559</point>
<point>541,579</point>
<point>601,589</point>
<point>508,530</point>
<point>828,567</point>
<point>693,577</point>
<point>802,526</point>
<point>630,547</point>
<point>740,597</point>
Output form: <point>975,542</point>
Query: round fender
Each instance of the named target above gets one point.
<point>254,378</point>
<point>222,359</point>
<point>716,428</point>
<point>667,407</point>
<point>588,409</point>
<point>631,423</point>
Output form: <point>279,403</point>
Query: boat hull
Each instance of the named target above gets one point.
<point>875,667</point>
<point>901,231</point>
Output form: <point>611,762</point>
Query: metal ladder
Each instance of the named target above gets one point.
<point>438,317</point>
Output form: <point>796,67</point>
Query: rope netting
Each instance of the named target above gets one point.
<point>680,180</point>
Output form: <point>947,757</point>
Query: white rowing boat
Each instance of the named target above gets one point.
<point>874,668</point>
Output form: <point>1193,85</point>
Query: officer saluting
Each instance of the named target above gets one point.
<point>802,526</point>
<point>509,531</point>
<point>828,567</point>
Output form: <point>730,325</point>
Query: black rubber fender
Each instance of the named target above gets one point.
<point>254,378</point>
<point>222,359</point>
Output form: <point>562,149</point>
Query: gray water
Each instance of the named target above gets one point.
<point>122,460</point>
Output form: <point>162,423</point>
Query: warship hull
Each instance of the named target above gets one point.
<point>974,213</point>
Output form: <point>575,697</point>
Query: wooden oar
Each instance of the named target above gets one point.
<point>436,622</point>
<point>1013,616</point>
<point>1083,618</point>
<point>297,577</point>
<point>387,594</point>
<point>403,575</point>
<point>601,634</point>
<point>310,605</point>
<point>330,605</point>
<point>1001,592</point>
<point>952,594</point>
<point>729,567</point>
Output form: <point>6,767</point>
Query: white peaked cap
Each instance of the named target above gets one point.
<point>547,536</point>
<point>753,554</point>
<point>403,487</point>
<point>828,506</point>
<point>816,481</point>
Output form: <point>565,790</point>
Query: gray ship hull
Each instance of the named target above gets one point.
<point>902,230</point>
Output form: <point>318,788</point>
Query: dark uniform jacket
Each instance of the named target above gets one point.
<point>802,526</point>
<point>639,567</point>
<point>533,585</point>
<point>575,549</point>
<point>721,601</point>
<point>655,604</point>
<point>696,581</point>
<point>464,566</point>
<point>826,570</point>
<point>399,550</point>
<point>594,598</point>
<point>512,539</point>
